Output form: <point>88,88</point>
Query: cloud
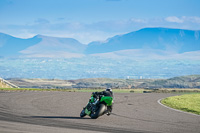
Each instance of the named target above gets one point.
<point>114,0</point>
<point>42,21</point>
<point>183,19</point>
<point>61,19</point>
<point>192,19</point>
<point>174,19</point>
<point>138,20</point>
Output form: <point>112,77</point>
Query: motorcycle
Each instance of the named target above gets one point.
<point>97,106</point>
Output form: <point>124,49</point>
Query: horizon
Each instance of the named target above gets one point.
<point>94,20</point>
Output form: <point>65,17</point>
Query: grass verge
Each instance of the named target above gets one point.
<point>188,103</point>
<point>76,90</point>
<point>115,90</point>
<point>33,89</point>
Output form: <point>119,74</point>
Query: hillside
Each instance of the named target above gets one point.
<point>41,83</point>
<point>192,81</point>
<point>3,84</point>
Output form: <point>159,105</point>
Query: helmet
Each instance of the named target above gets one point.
<point>109,89</point>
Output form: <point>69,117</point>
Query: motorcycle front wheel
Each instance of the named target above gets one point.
<point>82,114</point>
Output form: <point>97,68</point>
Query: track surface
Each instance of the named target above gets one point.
<point>50,112</point>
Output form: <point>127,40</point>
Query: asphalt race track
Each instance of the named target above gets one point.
<point>58,112</point>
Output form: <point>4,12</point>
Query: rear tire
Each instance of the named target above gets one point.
<point>82,114</point>
<point>99,112</point>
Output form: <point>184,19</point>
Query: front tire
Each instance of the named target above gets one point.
<point>82,114</point>
<point>99,112</point>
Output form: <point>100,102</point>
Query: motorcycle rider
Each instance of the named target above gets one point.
<point>107,92</point>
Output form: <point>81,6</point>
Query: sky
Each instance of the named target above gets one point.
<point>94,20</point>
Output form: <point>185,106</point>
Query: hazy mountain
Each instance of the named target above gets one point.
<point>154,43</point>
<point>160,39</point>
<point>40,46</point>
<point>12,46</point>
<point>55,47</point>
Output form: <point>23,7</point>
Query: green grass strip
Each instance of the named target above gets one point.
<point>188,103</point>
<point>74,90</point>
<point>33,89</point>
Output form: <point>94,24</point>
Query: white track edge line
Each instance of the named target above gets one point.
<point>159,101</point>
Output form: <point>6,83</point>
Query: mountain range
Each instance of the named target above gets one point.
<point>156,43</point>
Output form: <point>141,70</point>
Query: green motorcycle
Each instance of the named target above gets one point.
<point>97,106</point>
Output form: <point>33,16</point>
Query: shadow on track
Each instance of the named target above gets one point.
<point>51,121</point>
<point>58,117</point>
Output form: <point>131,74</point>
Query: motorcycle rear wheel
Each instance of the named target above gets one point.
<point>99,112</point>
